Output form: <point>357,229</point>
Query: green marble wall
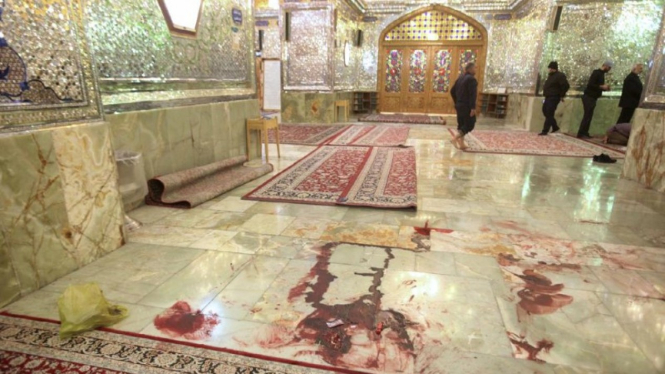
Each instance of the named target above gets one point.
<point>311,107</point>
<point>526,111</point>
<point>179,138</point>
<point>61,208</point>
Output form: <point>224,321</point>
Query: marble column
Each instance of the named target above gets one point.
<point>645,157</point>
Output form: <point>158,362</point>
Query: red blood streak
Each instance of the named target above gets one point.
<point>522,344</point>
<point>335,346</point>
<point>539,296</point>
<point>426,231</point>
<point>180,321</point>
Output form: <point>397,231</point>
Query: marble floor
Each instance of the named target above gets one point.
<point>511,264</point>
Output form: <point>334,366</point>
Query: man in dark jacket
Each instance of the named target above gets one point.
<point>465,95</point>
<point>594,90</point>
<point>554,90</point>
<point>630,94</point>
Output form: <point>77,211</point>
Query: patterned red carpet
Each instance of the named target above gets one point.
<point>379,177</point>
<point>303,134</point>
<point>528,143</point>
<point>33,346</point>
<point>405,118</point>
<point>373,136</point>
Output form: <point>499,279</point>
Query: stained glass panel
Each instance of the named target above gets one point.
<point>393,70</point>
<point>441,75</point>
<point>434,25</point>
<point>466,56</point>
<point>417,70</point>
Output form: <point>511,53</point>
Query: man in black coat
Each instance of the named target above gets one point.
<point>630,94</point>
<point>594,90</point>
<point>554,90</point>
<point>465,95</point>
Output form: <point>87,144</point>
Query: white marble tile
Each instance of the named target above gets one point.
<point>214,240</point>
<point>200,281</point>
<point>267,224</point>
<point>232,204</point>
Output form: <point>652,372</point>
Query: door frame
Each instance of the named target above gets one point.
<point>410,44</point>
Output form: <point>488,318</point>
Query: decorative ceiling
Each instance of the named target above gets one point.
<point>377,7</point>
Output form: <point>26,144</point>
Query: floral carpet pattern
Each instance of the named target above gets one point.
<point>29,345</point>
<point>304,134</point>
<point>421,119</point>
<point>380,177</point>
<point>372,136</point>
<point>528,143</point>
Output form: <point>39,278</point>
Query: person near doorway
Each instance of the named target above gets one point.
<point>465,94</point>
<point>630,94</point>
<point>554,90</point>
<point>594,90</point>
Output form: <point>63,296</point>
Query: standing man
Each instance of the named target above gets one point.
<point>554,90</point>
<point>465,95</point>
<point>594,90</point>
<point>630,94</point>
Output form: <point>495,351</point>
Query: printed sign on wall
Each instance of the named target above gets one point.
<point>237,16</point>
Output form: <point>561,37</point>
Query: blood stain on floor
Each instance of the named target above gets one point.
<point>181,321</point>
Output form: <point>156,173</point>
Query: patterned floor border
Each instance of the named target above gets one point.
<point>24,337</point>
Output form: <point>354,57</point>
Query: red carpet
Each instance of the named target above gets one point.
<point>528,143</point>
<point>372,136</point>
<point>304,134</point>
<point>422,119</point>
<point>379,177</point>
<point>31,345</point>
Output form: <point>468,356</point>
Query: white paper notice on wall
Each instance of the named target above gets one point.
<point>501,90</point>
<point>272,85</point>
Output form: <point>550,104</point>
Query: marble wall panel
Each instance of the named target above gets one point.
<point>179,138</point>
<point>526,111</point>
<point>61,208</point>
<point>645,157</point>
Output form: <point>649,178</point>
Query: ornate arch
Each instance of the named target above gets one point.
<point>432,27</point>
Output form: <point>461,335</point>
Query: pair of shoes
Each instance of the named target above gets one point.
<point>542,134</point>
<point>604,159</point>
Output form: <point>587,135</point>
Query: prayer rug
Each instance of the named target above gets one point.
<point>304,134</point>
<point>189,188</point>
<point>380,177</point>
<point>30,345</point>
<point>372,136</point>
<point>422,119</point>
<point>529,143</point>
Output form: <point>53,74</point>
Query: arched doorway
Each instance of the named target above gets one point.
<point>421,55</point>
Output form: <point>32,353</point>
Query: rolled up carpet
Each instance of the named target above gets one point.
<point>188,188</point>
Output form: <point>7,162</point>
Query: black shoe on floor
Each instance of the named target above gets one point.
<point>583,136</point>
<point>542,134</point>
<point>556,129</point>
<point>604,159</point>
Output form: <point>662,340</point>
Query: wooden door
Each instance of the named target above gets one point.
<point>443,76</point>
<point>392,60</point>
<point>416,82</point>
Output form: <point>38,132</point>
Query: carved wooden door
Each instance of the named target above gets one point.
<point>392,61</point>
<point>415,84</point>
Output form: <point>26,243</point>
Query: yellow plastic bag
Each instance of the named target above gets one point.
<point>82,307</point>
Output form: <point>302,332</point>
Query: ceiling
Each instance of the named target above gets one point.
<point>378,7</point>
